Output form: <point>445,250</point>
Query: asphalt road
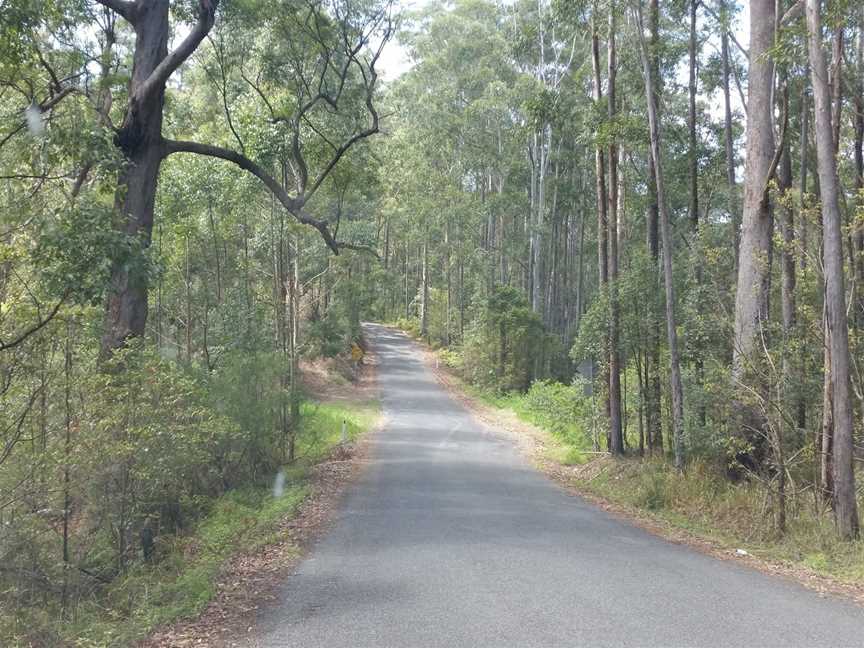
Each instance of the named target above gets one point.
<point>449,538</point>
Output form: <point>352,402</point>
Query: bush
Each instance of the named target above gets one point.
<point>410,325</point>
<point>562,409</point>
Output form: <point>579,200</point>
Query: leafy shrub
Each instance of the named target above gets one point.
<point>410,325</point>
<point>505,342</point>
<point>562,409</point>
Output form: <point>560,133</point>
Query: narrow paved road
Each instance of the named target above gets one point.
<point>450,539</point>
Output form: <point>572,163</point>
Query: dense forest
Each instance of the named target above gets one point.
<point>647,215</point>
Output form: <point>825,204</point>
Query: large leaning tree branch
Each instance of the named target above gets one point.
<point>326,85</point>
<point>292,205</point>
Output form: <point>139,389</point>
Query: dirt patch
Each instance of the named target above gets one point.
<point>251,581</point>
<point>533,443</point>
<point>339,379</point>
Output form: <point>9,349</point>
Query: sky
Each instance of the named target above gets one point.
<point>395,60</point>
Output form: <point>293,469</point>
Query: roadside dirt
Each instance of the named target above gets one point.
<point>250,581</point>
<point>532,442</point>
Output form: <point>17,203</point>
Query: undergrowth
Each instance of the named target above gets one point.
<point>181,581</point>
<point>737,515</point>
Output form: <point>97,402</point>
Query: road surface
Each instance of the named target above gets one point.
<point>450,539</point>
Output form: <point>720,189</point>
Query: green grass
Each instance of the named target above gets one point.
<point>700,501</point>
<point>564,443</point>
<point>183,581</point>
<point>321,427</point>
<point>734,515</point>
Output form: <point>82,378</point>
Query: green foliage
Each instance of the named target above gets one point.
<point>563,410</point>
<point>182,579</point>
<point>77,251</point>
<point>328,336</point>
<point>504,342</point>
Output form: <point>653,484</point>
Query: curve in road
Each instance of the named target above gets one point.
<point>450,539</point>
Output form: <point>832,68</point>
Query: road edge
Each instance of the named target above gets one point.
<point>528,440</point>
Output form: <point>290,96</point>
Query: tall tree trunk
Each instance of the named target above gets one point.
<point>187,279</point>
<point>801,414</point>
<point>791,387</point>
<point>826,436</point>
<point>753,258</point>
<point>139,138</point>
<point>616,445</point>
<point>387,244</point>
<point>447,279</point>
<point>653,414</point>
<point>693,209</point>
<point>845,505</point>
<point>67,463</point>
<point>406,291</point>
<point>424,288</point>
<point>216,253</point>
<point>836,81</point>
<point>602,219</point>
<point>858,146</point>
<point>668,278</point>
<point>728,143</point>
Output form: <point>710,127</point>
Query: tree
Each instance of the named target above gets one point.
<point>845,505</point>
<point>140,137</point>
<point>665,229</point>
<point>757,224</point>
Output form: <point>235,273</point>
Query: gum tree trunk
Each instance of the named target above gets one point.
<point>668,278</point>
<point>616,445</point>
<point>755,249</point>
<point>140,140</point>
<point>845,505</point>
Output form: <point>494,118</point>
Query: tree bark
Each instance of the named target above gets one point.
<point>668,278</point>
<point>424,288</point>
<point>791,387</point>
<point>653,414</point>
<point>845,505</point>
<point>602,218</point>
<point>616,445</point>
<point>728,143</point>
<point>693,209</point>
<point>140,140</point>
<point>753,258</point>
<point>858,147</point>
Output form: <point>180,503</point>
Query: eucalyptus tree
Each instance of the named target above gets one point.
<point>338,46</point>
<point>666,234</point>
<point>845,503</point>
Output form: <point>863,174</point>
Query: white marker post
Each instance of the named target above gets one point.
<point>344,433</point>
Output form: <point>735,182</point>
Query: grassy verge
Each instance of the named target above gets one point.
<point>700,504</point>
<point>563,440</point>
<point>732,515</point>
<point>183,581</point>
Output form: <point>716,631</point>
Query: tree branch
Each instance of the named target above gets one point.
<point>725,27</point>
<point>294,207</point>
<point>126,8</point>
<point>36,327</point>
<point>369,82</point>
<point>793,13</point>
<point>159,76</point>
<point>45,106</point>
